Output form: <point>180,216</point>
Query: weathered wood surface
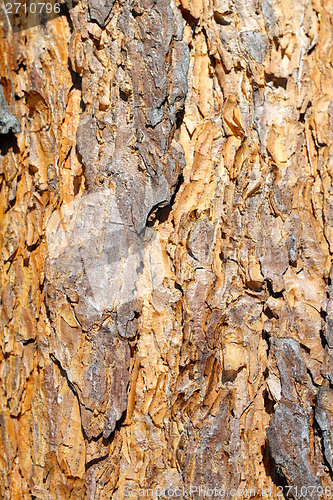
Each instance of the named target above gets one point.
<point>166,240</point>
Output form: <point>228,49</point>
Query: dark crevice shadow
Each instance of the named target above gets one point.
<point>275,295</point>
<point>191,20</point>
<point>96,461</point>
<point>320,434</point>
<point>277,81</point>
<point>272,469</point>
<point>8,142</point>
<point>161,214</point>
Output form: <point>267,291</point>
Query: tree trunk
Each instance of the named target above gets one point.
<point>166,240</point>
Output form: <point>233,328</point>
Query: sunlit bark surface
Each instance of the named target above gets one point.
<point>166,240</point>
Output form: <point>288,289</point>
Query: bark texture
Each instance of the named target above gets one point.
<point>166,240</point>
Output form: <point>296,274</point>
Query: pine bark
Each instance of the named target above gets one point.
<point>166,237</point>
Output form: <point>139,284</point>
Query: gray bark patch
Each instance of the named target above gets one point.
<point>256,44</point>
<point>7,120</point>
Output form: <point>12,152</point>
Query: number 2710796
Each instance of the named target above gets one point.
<point>304,491</point>
<point>18,8</point>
